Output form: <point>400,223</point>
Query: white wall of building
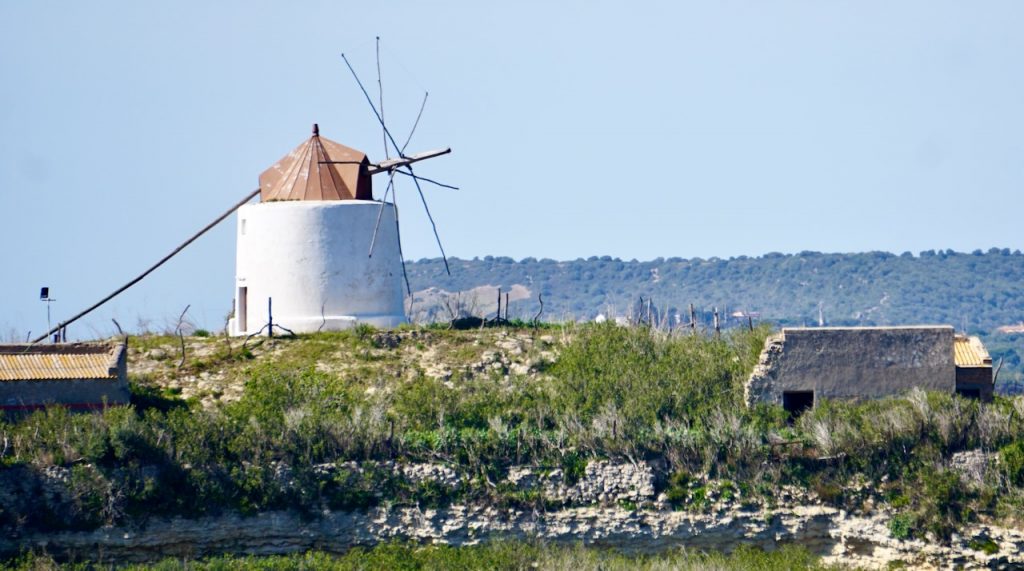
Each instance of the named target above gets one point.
<point>311,258</point>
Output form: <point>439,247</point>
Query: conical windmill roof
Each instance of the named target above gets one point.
<point>303,174</point>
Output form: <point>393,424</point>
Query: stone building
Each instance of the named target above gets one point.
<point>973,368</point>
<point>76,375</point>
<point>800,366</point>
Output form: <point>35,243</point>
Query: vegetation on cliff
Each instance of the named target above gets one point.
<point>349,401</point>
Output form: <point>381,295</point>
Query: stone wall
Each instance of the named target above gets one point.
<point>853,362</point>
<point>76,393</point>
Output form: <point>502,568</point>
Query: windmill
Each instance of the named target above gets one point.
<point>318,252</point>
<point>289,253</point>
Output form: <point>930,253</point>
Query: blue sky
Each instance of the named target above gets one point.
<point>634,130</point>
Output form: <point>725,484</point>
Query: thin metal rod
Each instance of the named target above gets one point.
<point>372,106</point>
<point>417,122</point>
<point>380,212</point>
<point>380,94</point>
<point>174,252</point>
<point>415,179</point>
<point>431,181</point>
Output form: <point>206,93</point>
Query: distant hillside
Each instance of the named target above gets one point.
<point>979,291</point>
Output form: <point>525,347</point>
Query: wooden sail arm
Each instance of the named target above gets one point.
<point>392,164</point>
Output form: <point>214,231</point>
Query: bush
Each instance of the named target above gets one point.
<point>901,526</point>
<point>940,501</point>
<point>985,545</point>
<point>678,491</point>
<point>1011,457</point>
<point>574,467</point>
<point>646,375</point>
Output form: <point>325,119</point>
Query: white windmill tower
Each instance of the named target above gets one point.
<point>318,253</point>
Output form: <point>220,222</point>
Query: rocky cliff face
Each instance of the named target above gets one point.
<point>611,505</point>
<point>838,536</point>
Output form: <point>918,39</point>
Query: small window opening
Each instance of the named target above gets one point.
<point>796,402</point>
<point>243,227</point>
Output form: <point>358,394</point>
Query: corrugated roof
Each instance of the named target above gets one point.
<point>306,174</point>
<point>969,352</point>
<point>59,362</point>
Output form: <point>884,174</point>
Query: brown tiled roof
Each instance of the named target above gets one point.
<point>304,173</point>
<point>969,352</point>
<point>60,361</point>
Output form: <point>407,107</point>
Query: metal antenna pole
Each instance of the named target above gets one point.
<point>44,296</point>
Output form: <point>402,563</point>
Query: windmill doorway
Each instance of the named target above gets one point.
<point>242,310</point>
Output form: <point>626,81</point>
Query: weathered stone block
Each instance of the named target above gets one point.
<point>853,362</point>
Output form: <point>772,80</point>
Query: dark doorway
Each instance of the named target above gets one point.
<point>969,393</point>
<point>796,402</point>
<point>242,311</point>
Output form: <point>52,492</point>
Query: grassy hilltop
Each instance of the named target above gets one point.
<point>233,428</point>
<point>480,400</point>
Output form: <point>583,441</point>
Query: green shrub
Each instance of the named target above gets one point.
<point>699,498</point>
<point>678,491</point>
<point>986,545</point>
<point>1011,457</point>
<point>645,375</point>
<point>727,491</point>
<point>574,467</point>
<point>827,489</point>
<point>939,501</point>
<point>901,526</point>
<point>350,490</point>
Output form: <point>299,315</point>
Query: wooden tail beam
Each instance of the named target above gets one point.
<point>151,269</point>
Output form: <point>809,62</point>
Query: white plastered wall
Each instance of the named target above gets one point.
<point>311,258</point>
